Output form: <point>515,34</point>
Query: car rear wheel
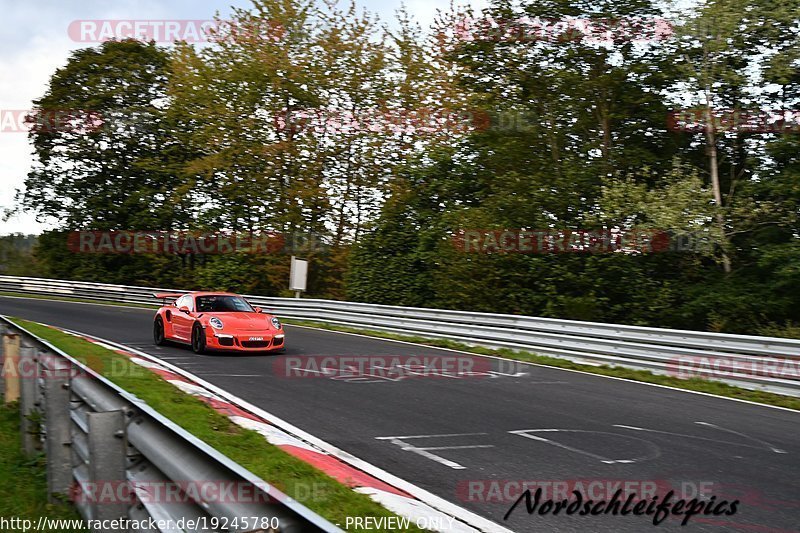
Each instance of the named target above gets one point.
<point>198,339</point>
<point>158,332</point>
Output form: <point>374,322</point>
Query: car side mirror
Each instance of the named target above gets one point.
<point>185,309</point>
<point>258,310</point>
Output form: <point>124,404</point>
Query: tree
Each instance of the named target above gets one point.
<point>115,170</point>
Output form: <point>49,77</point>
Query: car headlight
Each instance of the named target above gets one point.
<point>215,322</point>
<point>276,323</point>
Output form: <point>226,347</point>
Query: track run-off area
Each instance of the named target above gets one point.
<point>476,430</point>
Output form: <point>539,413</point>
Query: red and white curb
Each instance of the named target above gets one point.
<point>405,499</point>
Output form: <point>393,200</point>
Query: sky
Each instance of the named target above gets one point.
<point>36,41</point>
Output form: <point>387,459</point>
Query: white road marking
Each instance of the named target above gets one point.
<point>429,455</point>
<point>765,443</point>
<point>152,308</point>
<point>424,452</point>
<point>656,452</point>
<point>506,360</point>
<point>524,433</point>
<point>634,428</point>
<point>355,376</point>
<point>231,375</point>
<point>429,436</point>
<point>456,447</point>
<point>403,371</point>
<point>478,523</point>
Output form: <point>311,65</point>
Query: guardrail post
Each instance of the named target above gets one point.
<point>3,332</point>
<point>55,372</point>
<point>11,367</point>
<point>28,376</point>
<point>107,449</point>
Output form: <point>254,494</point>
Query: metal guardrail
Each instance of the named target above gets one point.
<point>762,363</point>
<point>116,458</point>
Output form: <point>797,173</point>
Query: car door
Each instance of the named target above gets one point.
<point>182,322</point>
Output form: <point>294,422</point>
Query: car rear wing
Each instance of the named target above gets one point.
<point>166,296</point>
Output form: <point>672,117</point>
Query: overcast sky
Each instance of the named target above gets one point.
<point>35,41</point>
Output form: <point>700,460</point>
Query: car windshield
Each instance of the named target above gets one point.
<point>222,304</point>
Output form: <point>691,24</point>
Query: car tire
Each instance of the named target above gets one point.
<point>158,332</point>
<point>198,339</point>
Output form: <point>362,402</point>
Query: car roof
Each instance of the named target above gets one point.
<point>209,293</point>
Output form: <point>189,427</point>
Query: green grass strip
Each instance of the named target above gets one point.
<point>316,490</point>
<point>23,480</point>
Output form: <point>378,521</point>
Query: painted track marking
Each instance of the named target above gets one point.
<point>634,428</point>
<point>655,451</point>
<point>425,451</point>
<point>765,443</point>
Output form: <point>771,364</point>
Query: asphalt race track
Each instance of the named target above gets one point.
<point>472,437</point>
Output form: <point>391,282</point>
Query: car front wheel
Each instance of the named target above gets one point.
<point>198,339</point>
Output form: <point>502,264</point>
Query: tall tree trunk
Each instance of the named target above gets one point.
<point>711,147</point>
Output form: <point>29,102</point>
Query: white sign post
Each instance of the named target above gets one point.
<point>298,276</point>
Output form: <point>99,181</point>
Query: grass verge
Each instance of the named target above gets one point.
<point>23,480</point>
<point>693,384</point>
<point>313,488</point>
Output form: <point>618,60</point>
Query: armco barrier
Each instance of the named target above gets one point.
<point>761,363</point>
<point>99,438</point>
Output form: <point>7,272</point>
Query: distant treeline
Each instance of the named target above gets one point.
<point>16,255</point>
<point>390,142</point>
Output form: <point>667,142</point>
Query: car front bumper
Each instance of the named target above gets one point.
<point>244,342</point>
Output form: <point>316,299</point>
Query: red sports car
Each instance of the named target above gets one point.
<point>216,321</point>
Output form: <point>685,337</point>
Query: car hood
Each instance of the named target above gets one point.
<point>244,321</point>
